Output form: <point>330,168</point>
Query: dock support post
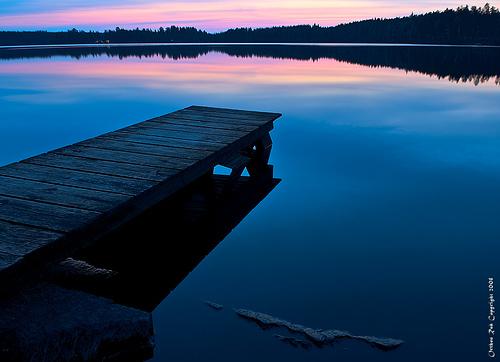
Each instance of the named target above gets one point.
<point>260,154</point>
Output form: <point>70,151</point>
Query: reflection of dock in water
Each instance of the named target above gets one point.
<point>99,306</point>
<point>170,240</point>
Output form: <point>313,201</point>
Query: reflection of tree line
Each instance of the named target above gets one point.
<point>458,64</point>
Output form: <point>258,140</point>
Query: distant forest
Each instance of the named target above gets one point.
<point>464,25</point>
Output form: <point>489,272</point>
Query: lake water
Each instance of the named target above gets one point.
<point>386,222</point>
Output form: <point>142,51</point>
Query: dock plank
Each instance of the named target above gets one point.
<point>102,167</point>
<point>221,118</point>
<point>59,195</point>
<point>260,114</point>
<point>196,145</point>
<point>19,240</point>
<point>168,126</point>
<point>120,144</point>
<point>201,124</point>
<point>199,137</point>
<point>7,260</point>
<point>42,215</point>
<point>129,158</point>
<point>84,180</point>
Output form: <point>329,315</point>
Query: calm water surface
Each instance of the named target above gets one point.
<point>386,222</point>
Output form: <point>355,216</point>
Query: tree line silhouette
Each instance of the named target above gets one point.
<point>464,25</point>
<point>457,64</point>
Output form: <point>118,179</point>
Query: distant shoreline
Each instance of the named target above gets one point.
<point>92,45</point>
<point>464,26</point>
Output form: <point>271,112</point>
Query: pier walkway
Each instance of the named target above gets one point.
<point>56,203</point>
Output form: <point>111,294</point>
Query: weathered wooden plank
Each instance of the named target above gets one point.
<point>209,117</point>
<point>46,216</point>
<point>206,120</point>
<point>201,124</point>
<point>101,167</point>
<point>59,195</point>
<point>239,112</point>
<point>145,149</point>
<point>20,240</point>
<point>129,158</point>
<point>7,260</point>
<point>200,137</point>
<point>167,126</point>
<point>228,114</point>
<point>229,111</point>
<point>85,180</point>
<point>164,142</point>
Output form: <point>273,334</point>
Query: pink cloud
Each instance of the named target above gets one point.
<point>214,15</point>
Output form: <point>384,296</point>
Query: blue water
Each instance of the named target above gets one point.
<point>386,222</point>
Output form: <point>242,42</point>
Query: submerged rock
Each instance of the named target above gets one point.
<point>320,337</point>
<point>385,344</point>
<point>214,305</point>
<point>81,269</point>
<point>50,323</point>
<point>295,342</point>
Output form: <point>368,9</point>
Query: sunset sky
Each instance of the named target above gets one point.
<point>211,15</point>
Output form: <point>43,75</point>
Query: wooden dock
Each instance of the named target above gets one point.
<point>54,204</point>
